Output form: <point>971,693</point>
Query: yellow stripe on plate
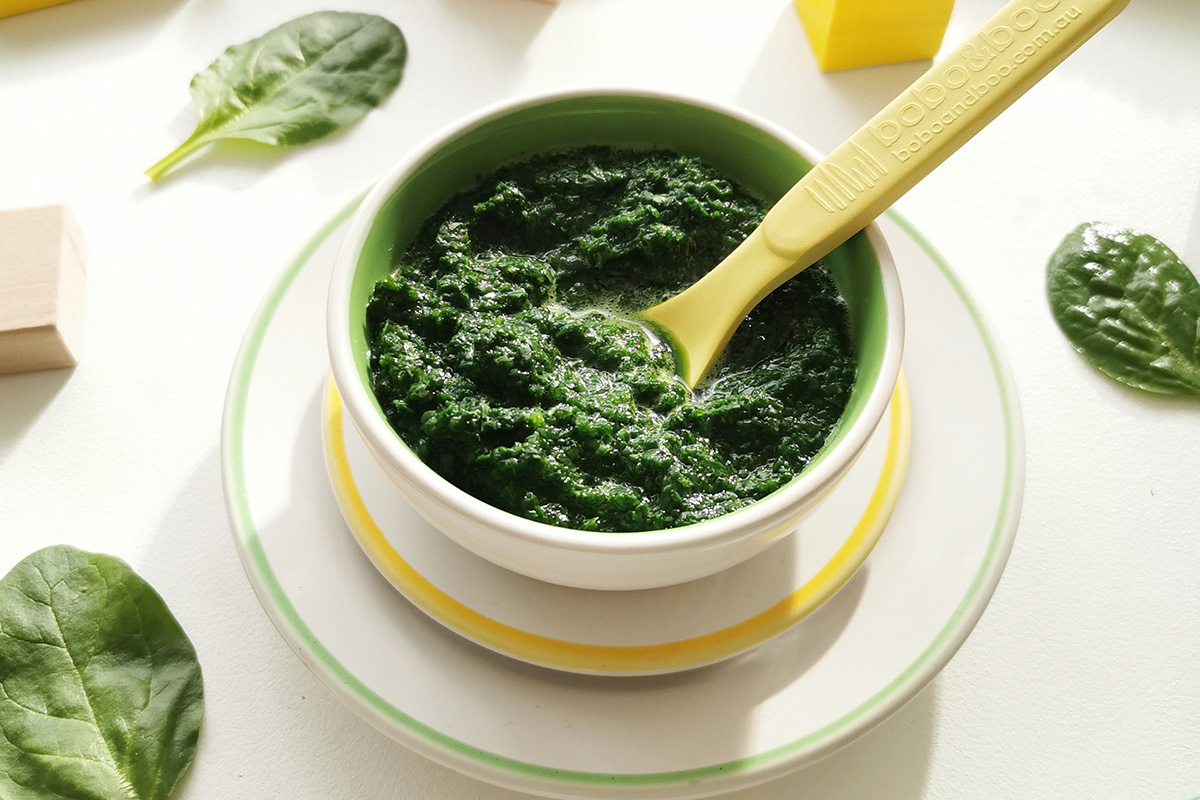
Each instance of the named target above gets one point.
<point>622,659</point>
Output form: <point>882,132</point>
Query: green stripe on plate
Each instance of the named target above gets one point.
<point>456,753</point>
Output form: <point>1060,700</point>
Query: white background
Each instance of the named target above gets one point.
<point>1083,678</point>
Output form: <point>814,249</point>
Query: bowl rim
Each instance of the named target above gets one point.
<point>752,519</point>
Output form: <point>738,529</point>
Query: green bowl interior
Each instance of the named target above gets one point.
<point>752,157</point>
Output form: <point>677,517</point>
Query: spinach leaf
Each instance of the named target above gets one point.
<point>1129,306</point>
<point>299,82</point>
<point>100,693</point>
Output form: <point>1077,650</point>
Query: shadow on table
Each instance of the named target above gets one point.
<point>785,86</point>
<point>1138,56</point>
<point>505,25</point>
<point>23,398</point>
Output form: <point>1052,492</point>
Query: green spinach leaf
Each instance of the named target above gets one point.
<point>100,692</point>
<point>1129,306</point>
<point>299,82</point>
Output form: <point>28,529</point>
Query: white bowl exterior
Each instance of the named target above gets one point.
<point>615,570</point>
<point>587,559</point>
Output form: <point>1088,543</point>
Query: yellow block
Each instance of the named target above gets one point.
<point>10,7</point>
<point>863,33</point>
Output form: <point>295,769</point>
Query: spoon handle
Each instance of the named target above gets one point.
<point>879,163</point>
<point>927,123</point>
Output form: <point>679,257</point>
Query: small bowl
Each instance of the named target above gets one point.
<point>761,157</point>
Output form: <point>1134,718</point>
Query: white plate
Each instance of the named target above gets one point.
<point>619,633</point>
<point>748,719</point>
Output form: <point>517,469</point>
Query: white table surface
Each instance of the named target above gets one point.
<point>1083,677</point>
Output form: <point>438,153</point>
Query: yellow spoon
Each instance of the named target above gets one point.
<point>863,177</point>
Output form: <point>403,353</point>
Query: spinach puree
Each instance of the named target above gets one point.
<point>500,355</point>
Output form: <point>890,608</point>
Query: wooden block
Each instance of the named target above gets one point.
<point>9,8</point>
<point>41,289</point>
<point>862,33</point>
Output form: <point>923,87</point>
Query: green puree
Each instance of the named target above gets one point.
<point>500,356</point>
